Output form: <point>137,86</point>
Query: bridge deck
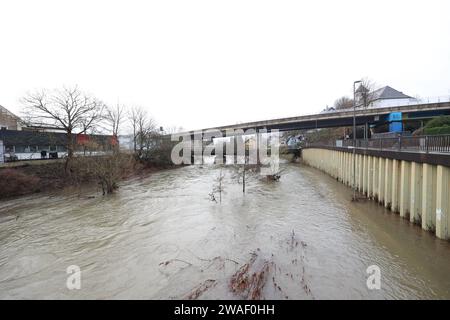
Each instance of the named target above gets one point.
<point>338,118</point>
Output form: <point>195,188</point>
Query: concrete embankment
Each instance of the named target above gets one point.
<point>418,191</point>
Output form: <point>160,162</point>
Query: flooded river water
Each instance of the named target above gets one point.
<point>162,237</point>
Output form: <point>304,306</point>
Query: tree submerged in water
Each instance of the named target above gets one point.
<point>218,188</point>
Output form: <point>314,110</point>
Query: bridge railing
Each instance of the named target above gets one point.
<point>425,143</point>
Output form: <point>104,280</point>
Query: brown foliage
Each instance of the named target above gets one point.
<point>14,182</point>
<point>200,289</point>
<point>107,170</point>
<point>249,280</point>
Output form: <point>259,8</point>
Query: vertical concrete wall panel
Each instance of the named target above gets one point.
<point>388,184</point>
<point>381,175</point>
<point>429,197</point>
<point>405,195</point>
<point>376,164</point>
<point>416,193</point>
<point>365,173</point>
<point>442,201</point>
<point>395,207</point>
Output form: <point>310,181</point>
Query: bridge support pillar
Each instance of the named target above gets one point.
<point>429,197</point>
<point>415,206</point>
<point>442,202</point>
<point>405,195</point>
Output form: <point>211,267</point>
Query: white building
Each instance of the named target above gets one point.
<point>385,97</point>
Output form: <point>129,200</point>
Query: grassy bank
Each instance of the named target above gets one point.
<point>28,177</point>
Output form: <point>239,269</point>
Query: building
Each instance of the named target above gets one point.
<point>29,145</point>
<point>19,142</point>
<point>8,120</point>
<point>384,97</point>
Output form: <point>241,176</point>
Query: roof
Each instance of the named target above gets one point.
<point>388,93</point>
<point>27,138</point>
<point>34,138</point>
<point>7,112</point>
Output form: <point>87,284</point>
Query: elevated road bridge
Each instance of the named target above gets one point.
<point>343,118</point>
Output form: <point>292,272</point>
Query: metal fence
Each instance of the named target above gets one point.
<point>426,144</point>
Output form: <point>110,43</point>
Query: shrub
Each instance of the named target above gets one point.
<point>14,183</point>
<point>438,130</point>
<point>159,155</point>
<point>107,170</point>
<point>439,125</point>
<point>438,122</point>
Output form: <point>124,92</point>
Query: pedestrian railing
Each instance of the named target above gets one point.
<point>426,143</point>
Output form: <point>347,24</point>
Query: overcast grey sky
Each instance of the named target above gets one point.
<point>204,63</point>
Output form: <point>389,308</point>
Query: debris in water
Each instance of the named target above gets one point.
<point>248,284</point>
<point>200,289</point>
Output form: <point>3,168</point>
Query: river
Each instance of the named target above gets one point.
<point>161,237</point>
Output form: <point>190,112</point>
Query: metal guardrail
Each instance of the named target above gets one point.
<point>424,144</point>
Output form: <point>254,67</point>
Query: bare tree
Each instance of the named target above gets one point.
<point>343,103</point>
<point>133,116</point>
<point>218,187</point>
<point>143,128</point>
<point>114,117</point>
<point>365,92</point>
<point>69,109</point>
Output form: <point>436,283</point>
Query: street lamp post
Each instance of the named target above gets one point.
<point>354,138</point>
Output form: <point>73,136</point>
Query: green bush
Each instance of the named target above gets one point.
<point>438,122</point>
<point>439,125</point>
<point>438,130</point>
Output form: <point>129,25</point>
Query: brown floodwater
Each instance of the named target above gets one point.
<point>162,237</point>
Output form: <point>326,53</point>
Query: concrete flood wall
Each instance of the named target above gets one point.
<point>417,191</point>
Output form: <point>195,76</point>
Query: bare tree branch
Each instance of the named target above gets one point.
<point>69,109</point>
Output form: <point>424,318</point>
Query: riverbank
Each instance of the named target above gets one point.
<point>26,178</point>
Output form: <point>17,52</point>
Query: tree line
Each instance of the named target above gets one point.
<point>76,112</point>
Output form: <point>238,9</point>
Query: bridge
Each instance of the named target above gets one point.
<point>343,118</point>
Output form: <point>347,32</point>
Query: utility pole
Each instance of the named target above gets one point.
<point>354,138</point>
